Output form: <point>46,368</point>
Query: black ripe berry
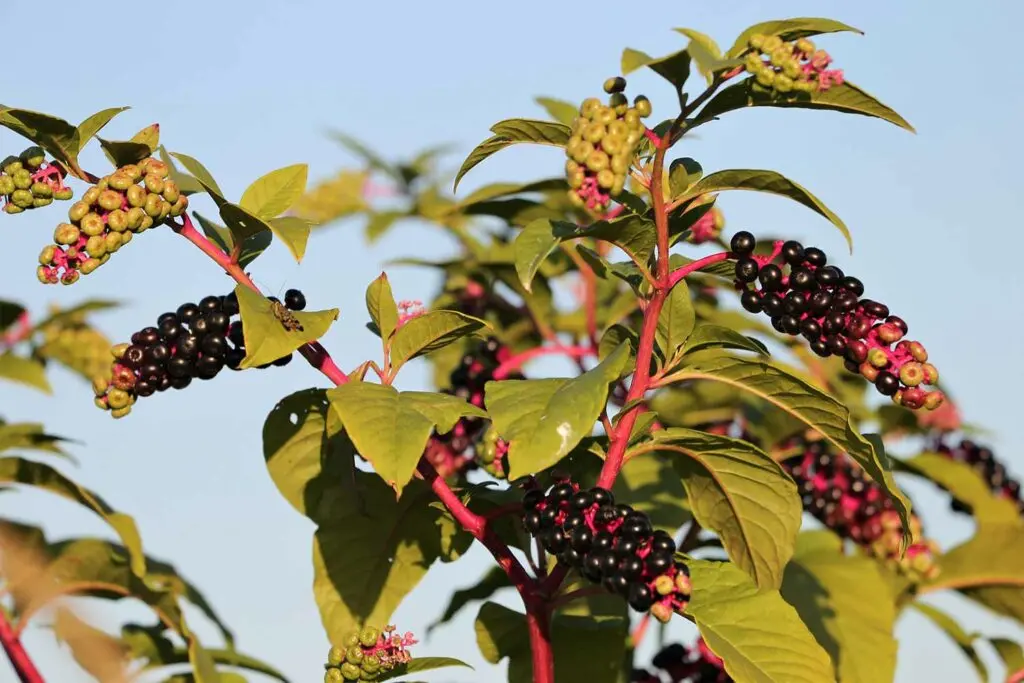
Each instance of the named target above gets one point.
<point>294,300</point>
<point>742,243</point>
<point>793,253</point>
<point>746,270</point>
<point>770,277</point>
<point>815,257</point>
<point>751,301</point>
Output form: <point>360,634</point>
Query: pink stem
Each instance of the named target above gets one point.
<point>23,666</point>
<point>520,359</point>
<point>679,273</point>
<point>540,647</point>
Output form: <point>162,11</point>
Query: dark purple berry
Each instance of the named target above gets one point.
<point>746,270</point>
<point>602,496</point>
<point>157,353</point>
<point>213,345</point>
<point>770,277</point>
<point>750,301</point>
<point>658,563</point>
<point>583,500</point>
<point>815,257</point>
<point>230,304</point>
<point>795,303</point>
<point>532,498</point>
<point>875,309</point>
<point>186,346</point>
<point>186,312</point>
<point>820,303</point>
<point>887,383</point>
<point>793,252</point>
<point>640,597</point>
<point>180,382</point>
<point>149,336</point>
<point>133,356</point>
<point>852,284</point>
<point>773,305</point>
<point>179,367</point>
<point>743,243</point>
<point>295,300</point>
<point>810,328</point>
<point>802,280</point>
<point>827,276</point>
<point>207,367</point>
<point>582,539</point>
<point>209,304</point>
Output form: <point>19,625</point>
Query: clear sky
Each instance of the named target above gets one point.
<point>248,87</point>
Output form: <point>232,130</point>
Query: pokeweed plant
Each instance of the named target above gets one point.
<point>668,479</point>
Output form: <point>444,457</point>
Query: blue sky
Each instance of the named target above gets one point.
<point>251,87</point>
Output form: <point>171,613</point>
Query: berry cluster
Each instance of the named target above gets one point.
<point>602,147</point>
<point>709,226</point>
<point>613,545</point>
<point>131,200</point>
<point>367,655</point>
<point>29,182</point>
<point>194,342</point>
<point>839,495</point>
<point>77,345</point>
<point>823,304</point>
<point>680,664</point>
<point>464,447</point>
<point>984,462</point>
<point>790,67</point>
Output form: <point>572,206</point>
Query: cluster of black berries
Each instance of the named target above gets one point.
<point>194,342</point>
<point>790,67</point>
<point>680,664</point>
<point>611,545</point>
<point>129,201</point>
<point>824,305</point>
<point>27,182</point>
<point>839,495</point>
<point>984,462</point>
<point>603,145</point>
<point>367,655</point>
<point>470,444</point>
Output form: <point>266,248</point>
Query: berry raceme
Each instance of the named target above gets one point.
<point>791,67</point>
<point>603,145</point>
<point>367,655</point>
<point>824,305</point>
<point>127,202</point>
<point>611,545</point>
<point>680,664</point>
<point>984,462</point>
<point>840,496</point>
<point>195,342</point>
<point>28,181</point>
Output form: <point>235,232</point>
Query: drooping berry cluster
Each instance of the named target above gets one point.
<point>823,304</point>
<point>29,182</point>
<point>129,201</point>
<point>603,145</point>
<point>367,655</point>
<point>194,342</point>
<point>75,344</point>
<point>984,462</point>
<point>612,545</point>
<point>463,448</point>
<point>709,226</point>
<point>790,67</point>
<point>839,495</point>
<point>680,664</point>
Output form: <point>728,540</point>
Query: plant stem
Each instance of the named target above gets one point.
<point>20,661</point>
<point>540,647</point>
<point>520,359</point>
<point>679,273</point>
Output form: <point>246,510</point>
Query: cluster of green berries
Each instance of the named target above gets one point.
<point>29,182</point>
<point>76,345</point>
<point>492,454</point>
<point>603,145</point>
<point>129,201</point>
<point>367,655</point>
<point>790,67</point>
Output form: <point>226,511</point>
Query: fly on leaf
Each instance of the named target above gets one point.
<point>288,320</point>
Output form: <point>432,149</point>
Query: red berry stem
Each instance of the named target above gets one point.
<point>22,664</point>
<point>679,273</point>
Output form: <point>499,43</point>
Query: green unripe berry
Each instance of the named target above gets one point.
<point>643,106</point>
<point>756,41</point>
<point>165,210</point>
<point>112,241</point>
<point>582,151</point>
<point>33,157</point>
<point>350,672</point>
<point>613,144</point>
<point>126,237</point>
<point>47,254</point>
<point>614,85</point>
<point>912,374</point>
<point>333,676</point>
<point>22,198</point>
<point>120,181</point>
<point>594,132</point>
<point>104,259</point>
<point>152,207</point>
<point>792,69</point>
<point>91,195</point>
<point>753,62</point>
<point>64,195</point>
<point>783,83</point>
<point>100,386</point>
<point>766,77</point>
<point>66,234</point>
<point>137,196</point>
<point>110,200</point>
<point>931,373</point>
<point>606,178</point>
<point>89,265</point>
<point>780,56</point>
<point>878,358</point>
<point>12,209</point>
<point>354,655</point>
<point>597,161</point>
<point>934,400</point>
<point>157,168</point>
<point>371,664</point>
<point>117,351</point>
<point>153,183</point>
<point>96,246</point>
<point>6,184</point>
<point>101,403</point>
<point>618,186</point>
<point>78,211</point>
<point>352,639</point>
<point>368,636</point>
<point>576,179</point>
<point>69,277</point>
<point>171,191</point>
<point>102,183</point>
<point>135,216</point>
<point>620,164</point>
<point>117,220</point>
<point>147,223</point>
<point>575,199</point>
<point>132,171</point>
<point>118,413</point>
<point>179,206</point>
<point>805,46</point>
<point>619,103</point>
<point>10,165</point>
<point>22,179</point>
<point>39,202</point>
<point>92,224</point>
<point>336,656</point>
<point>662,613</point>
<point>605,115</point>
<point>805,86</point>
<point>771,43</point>
<point>631,118</point>
<point>590,107</point>
<point>664,585</point>
<point>683,584</point>
<point>43,275</point>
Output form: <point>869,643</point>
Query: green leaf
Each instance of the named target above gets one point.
<point>422,664</point>
<point>429,332</point>
<point>533,244</point>
<point>123,152</point>
<point>789,30</point>
<point>704,52</point>
<point>764,181</point>
<point>962,639</point>
<point>805,403</point>
<point>585,648</point>
<point>649,483</point>
<point>88,128</point>
<point>682,174</point>
<point>758,635</point>
<point>46,478</point>
<point>675,68</point>
<point>993,557</point>
<point>218,234</point>
<point>29,436</point>
<point>200,173</point>
<point>55,135</point>
<point>510,132</point>
<point>846,623</point>
<point>65,314</point>
<point>544,419</point>
<point>390,429</point>
<point>266,338</point>
<point>676,322</point>
<point>738,491</point>
<point>719,336</point>
<point>149,136</point>
<point>380,304</point>
<point>560,110</point>
<point>272,194</point>
<point>186,183</point>
<point>25,371</point>
<point>966,486</point>
<point>847,98</point>
<point>293,232</point>
<point>1012,655</point>
<point>490,583</point>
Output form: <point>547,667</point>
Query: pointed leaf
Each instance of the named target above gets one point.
<point>380,304</point>
<point>55,135</point>
<point>67,314</point>
<point>758,635</point>
<point>293,233</point>
<point>676,321</point>
<point>512,131</point>
<point>649,483</point>
<point>266,338</point>
<point>674,68</point>
<point>149,136</point>
<point>682,174</point>
<point>544,419</point>
<point>419,664</point>
<point>29,436</point>
<point>993,557</point>
<point>560,110</point>
<point>218,234</point>
<point>789,30</point>
<point>123,152</point>
<point>25,371</point>
<point>200,173</point>
<point>429,332</point>
<point>962,639</point>
<point>719,336</point>
<point>88,128</point>
<point>186,183</point>
<point>1012,655</point>
<point>370,157</point>
<point>966,486</point>
<point>533,244</point>
<point>272,194</point>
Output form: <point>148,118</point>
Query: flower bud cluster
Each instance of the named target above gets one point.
<point>790,67</point>
<point>709,226</point>
<point>29,182</point>
<point>368,655</point>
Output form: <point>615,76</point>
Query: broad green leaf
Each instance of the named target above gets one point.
<point>846,623</point>
<point>241,223</point>
<point>168,655</point>
<point>704,52</point>
<point>719,336</point>
<point>1006,600</point>
<point>88,128</point>
<point>186,183</point>
<point>846,98</point>
<point>533,244</point>
<point>55,135</point>
<point>200,173</point>
<point>544,419</point>
<point>293,232</point>
<point>676,322</point>
<point>29,436</point>
<point>27,371</point>
<point>266,338</point>
<point>66,314</point>
<point>418,664</point>
<point>706,42</point>
<point>789,30</point>
<point>1012,655</point>
<point>272,194</point>
<point>499,190</point>
<point>805,403</point>
<point>149,136</point>
<point>758,635</point>
<point>966,486</point>
<point>123,152</point>
<point>380,222</point>
<point>738,491</point>
<point>218,234</point>
<point>764,181</point>
<point>42,476</point>
<point>650,484</point>
<point>560,110</point>
<point>510,132</point>
<point>682,174</point>
<point>614,337</point>
<point>380,304</point>
<point>585,648</point>
<point>962,639</point>
<point>204,669</point>
<point>429,332</point>
<point>675,68</point>
<point>490,583</point>
<point>994,556</point>
<point>390,429</point>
